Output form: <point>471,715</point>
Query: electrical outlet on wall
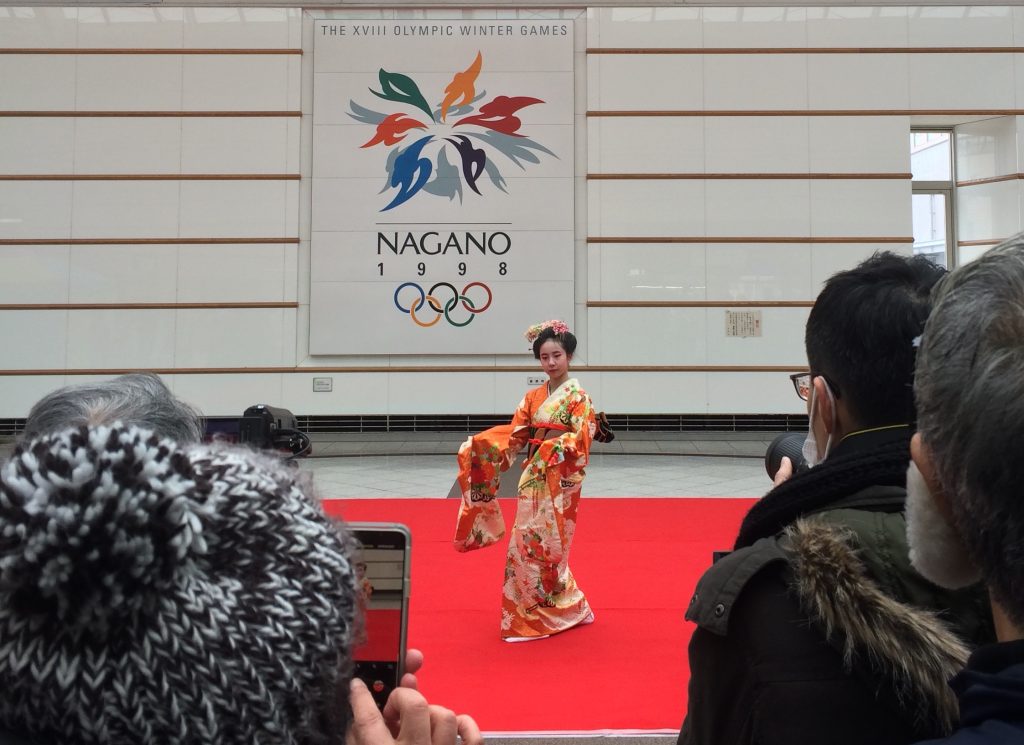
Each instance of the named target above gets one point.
<point>535,380</point>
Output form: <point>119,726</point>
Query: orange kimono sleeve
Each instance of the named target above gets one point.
<point>481,460</point>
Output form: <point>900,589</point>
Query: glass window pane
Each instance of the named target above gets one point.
<point>930,156</point>
<point>930,227</point>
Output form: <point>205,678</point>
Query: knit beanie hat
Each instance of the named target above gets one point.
<point>157,593</point>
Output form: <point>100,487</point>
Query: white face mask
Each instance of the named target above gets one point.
<point>936,550</point>
<point>810,449</point>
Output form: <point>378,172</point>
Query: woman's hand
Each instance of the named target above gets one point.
<point>407,719</point>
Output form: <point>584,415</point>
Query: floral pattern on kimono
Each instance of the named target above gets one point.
<point>540,595</point>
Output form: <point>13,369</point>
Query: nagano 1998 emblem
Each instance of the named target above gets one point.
<point>439,148</point>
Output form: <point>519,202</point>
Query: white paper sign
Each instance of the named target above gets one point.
<point>743,323</point>
<point>443,204</point>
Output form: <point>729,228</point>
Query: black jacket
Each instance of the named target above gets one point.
<point>813,630</point>
<point>991,695</point>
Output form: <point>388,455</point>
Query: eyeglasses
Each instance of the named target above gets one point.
<point>802,384</point>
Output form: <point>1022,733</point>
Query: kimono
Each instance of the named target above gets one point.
<point>540,596</point>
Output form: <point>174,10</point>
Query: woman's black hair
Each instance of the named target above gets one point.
<point>566,340</point>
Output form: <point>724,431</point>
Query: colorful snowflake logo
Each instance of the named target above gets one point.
<point>495,126</point>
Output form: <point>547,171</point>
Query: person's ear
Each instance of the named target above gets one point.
<point>921,454</point>
<point>825,403</point>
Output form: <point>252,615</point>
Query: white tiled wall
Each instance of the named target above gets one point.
<point>870,81</point>
<point>961,26</point>
<point>986,148</point>
<point>989,211</point>
<point>656,144</point>
<point>760,144</point>
<point>799,141</point>
<point>989,149</point>
<point>758,269</point>
<point>161,210</point>
<point>34,145</point>
<point>862,26</point>
<point>962,81</point>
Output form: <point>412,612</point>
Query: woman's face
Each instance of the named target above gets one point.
<point>553,359</point>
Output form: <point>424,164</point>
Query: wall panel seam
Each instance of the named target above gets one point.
<point>141,241</point>
<point>799,367</point>
<point>150,177</point>
<point>749,239</point>
<point>641,113</point>
<point>44,114</point>
<point>153,50</point>
<point>803,50</point>
<point>144,306</point>
<point>744,176</point>
<point>699,303</point>
<point>990,180</point>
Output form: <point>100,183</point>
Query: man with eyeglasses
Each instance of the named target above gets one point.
<point>783,652</point>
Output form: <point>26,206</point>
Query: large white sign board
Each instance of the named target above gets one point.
<point>443,206</point>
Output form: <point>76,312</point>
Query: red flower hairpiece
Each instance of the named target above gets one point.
<point>559,327</point>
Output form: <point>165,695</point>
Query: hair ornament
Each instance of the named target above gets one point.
<point>559,327</point>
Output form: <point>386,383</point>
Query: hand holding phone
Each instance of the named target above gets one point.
<point>407,719</point>
<point>382,586</point>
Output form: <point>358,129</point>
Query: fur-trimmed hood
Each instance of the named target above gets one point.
<point>912,648</point>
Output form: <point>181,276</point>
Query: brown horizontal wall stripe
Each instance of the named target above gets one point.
<point>142,306</point>
<point>744,176</point>
<point>806,50</point>
<point>699,304</point>
<point>140,241</point>
<point>750,239</point>
<point>432,369</point>
<point>147,114</point>
<point>150,177</point>
<point>992,180</point>
<point>991,242</point>
<point>639,113</point>
<point>98,50</point>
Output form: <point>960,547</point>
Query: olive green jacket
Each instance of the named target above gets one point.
<point>826,634</point>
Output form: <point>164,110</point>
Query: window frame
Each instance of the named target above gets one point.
<point>945,188</point>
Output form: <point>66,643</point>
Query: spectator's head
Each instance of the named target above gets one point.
<point>970,399</point>
<point>860,344</point>
<point>138,399</point>
<point>153,593</point>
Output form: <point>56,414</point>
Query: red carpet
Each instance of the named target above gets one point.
<point>637,560</point>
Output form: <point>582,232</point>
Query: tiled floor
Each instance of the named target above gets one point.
<point>635,465</point>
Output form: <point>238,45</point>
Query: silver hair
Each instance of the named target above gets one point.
<point>969,387</point>
<point>139,399</point>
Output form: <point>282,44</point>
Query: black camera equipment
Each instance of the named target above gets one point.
<point>272,428</point>
<point>790,445</point>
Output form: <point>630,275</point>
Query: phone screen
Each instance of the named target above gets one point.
<point>382,597</point>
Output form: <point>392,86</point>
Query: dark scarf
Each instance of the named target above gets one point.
<point>838,476</point>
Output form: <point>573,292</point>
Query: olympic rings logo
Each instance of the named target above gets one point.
<point>443,310</point>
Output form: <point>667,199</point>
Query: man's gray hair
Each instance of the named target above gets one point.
<point>970,401</point>
<point>138,399</point>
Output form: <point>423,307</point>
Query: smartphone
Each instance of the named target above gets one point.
<point>382,587</point>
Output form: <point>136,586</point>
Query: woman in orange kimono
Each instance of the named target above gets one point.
<point>555,422</point>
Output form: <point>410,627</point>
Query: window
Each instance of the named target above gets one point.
<point>931,163</point>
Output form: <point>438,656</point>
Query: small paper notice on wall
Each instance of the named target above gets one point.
<point>743,323</point>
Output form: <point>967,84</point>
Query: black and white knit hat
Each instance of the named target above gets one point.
<point>156,593</point>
